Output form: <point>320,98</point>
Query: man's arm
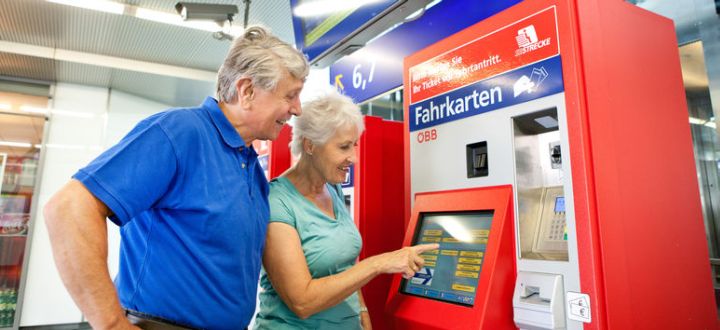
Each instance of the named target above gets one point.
<point>76,222</point>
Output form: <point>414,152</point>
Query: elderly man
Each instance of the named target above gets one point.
<point>189,195</point>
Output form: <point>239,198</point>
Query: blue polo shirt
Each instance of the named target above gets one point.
<point>191,201</point>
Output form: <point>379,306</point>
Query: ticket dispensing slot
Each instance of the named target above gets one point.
<point>538,301</point>
<point>539,184</point>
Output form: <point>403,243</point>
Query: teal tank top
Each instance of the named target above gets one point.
<point>330,246</point>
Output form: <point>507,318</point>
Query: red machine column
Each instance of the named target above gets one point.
<point>379,204</point>
<point>274,156</point>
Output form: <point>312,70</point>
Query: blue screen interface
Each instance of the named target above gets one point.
<point>559,204</point>
<point>452,272</point>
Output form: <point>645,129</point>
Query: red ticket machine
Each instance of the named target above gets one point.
<point>274,156</point>
<point>378,202</point>
<point>578,106</point>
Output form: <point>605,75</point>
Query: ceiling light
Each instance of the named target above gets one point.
<point>16,144</point>
<point>326,7</point>
<point>99,5</point>
<point>27,108</point>
<point>163,17</point>
<point>56,112</point>
<point>5,106</point>
<point>206,11</point>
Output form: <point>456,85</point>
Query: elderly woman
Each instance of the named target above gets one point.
<point>311,278</point>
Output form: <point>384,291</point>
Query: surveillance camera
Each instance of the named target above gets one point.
<point>204,11</point>
<point>219,35</point>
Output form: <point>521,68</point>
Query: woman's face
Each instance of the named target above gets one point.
<point>333,159</point>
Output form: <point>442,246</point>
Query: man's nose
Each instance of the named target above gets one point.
<point>295,107</point>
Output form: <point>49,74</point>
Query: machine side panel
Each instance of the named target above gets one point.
<point>655,259</point>
<point>380,204</point>
<point>279,160</point>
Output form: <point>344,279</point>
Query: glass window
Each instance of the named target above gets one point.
<point>388,106</point>
<point>20,139</point>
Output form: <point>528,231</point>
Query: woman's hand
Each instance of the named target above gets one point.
<point>406,260</point>
<point>365,320</point>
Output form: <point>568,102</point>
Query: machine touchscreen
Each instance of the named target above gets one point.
<point>452,272</point>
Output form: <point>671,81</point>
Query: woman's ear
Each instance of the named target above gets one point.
<point>246,92</point>
<point>308,146</point>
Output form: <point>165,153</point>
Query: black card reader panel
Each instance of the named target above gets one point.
<point>477,159</point>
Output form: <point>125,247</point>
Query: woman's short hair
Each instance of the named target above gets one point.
<point>321,117</point>
<point>262,57</point>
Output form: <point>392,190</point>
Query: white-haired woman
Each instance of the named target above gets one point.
<point>311,279</point>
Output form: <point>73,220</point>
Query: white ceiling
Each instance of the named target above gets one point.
<point>49,42</point>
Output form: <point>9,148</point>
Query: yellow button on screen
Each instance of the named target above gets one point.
<point>466,274</point>
<point>449,252</point>
<point>468,267</point>
<point>474,261</point>
<point>461,287</point>
<point>480,232</point>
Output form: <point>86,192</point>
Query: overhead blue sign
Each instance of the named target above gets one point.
<point>314,35</point>
<point>514,87</point>
<point>378,67</point>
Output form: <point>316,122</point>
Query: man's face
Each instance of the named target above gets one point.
<point>273,108</point>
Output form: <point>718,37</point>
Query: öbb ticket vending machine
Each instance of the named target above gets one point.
<point>377,200</point>
<point>548,152</point>
<point>274,156</point>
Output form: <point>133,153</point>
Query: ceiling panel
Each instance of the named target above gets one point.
<point>31,21</point>
<point>83,74</point>
<point>28,67</point>
<point>41,23</point>
<point>163,89</point>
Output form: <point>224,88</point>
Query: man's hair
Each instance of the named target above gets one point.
<point>263,58</point>
<point>322,117</point>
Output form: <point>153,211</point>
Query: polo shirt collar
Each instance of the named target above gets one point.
<point>223,125</point>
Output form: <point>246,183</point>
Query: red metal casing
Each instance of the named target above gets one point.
<point>379,204</point>
<point>642,251</point>
<point>493,301</point>
<point>277,151</point>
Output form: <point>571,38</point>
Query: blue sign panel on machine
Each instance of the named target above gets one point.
<point>521,85</point>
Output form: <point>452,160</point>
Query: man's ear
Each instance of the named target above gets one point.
<point>245,92</point>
